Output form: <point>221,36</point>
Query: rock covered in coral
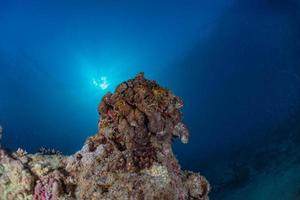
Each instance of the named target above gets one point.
<point>129,158</point>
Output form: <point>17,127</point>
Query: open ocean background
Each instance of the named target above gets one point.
<point>235,63</point>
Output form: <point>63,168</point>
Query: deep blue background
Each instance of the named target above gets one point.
<point>235,64</point>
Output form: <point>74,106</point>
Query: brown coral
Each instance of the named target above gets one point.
<point>140,126</point>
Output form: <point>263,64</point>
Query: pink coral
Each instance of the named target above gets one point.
<point>49,187</point>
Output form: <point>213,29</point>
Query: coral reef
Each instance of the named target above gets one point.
<point>129,158</point>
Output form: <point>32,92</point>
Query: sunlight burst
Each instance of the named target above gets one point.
<point>102,83</point>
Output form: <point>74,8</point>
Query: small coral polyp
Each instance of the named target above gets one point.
<point>130,158</point>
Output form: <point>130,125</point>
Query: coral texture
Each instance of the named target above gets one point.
<point>130,158</point>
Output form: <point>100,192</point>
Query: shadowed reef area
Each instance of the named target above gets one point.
<point>129,158</point>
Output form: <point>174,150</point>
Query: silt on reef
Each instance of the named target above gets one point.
<point>130,158</point>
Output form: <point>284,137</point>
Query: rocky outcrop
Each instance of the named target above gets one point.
<point>129,158</point>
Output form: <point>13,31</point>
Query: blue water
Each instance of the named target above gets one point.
<point>236,65</point>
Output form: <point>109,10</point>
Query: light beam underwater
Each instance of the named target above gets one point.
<point>102,83</point>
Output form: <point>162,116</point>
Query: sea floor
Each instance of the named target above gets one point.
<point>280,184</point>
<point>266,168</point>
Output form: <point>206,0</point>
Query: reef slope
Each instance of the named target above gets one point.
<point>130,158</point>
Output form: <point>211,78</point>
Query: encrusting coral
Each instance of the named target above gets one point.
<point>130,158</point>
